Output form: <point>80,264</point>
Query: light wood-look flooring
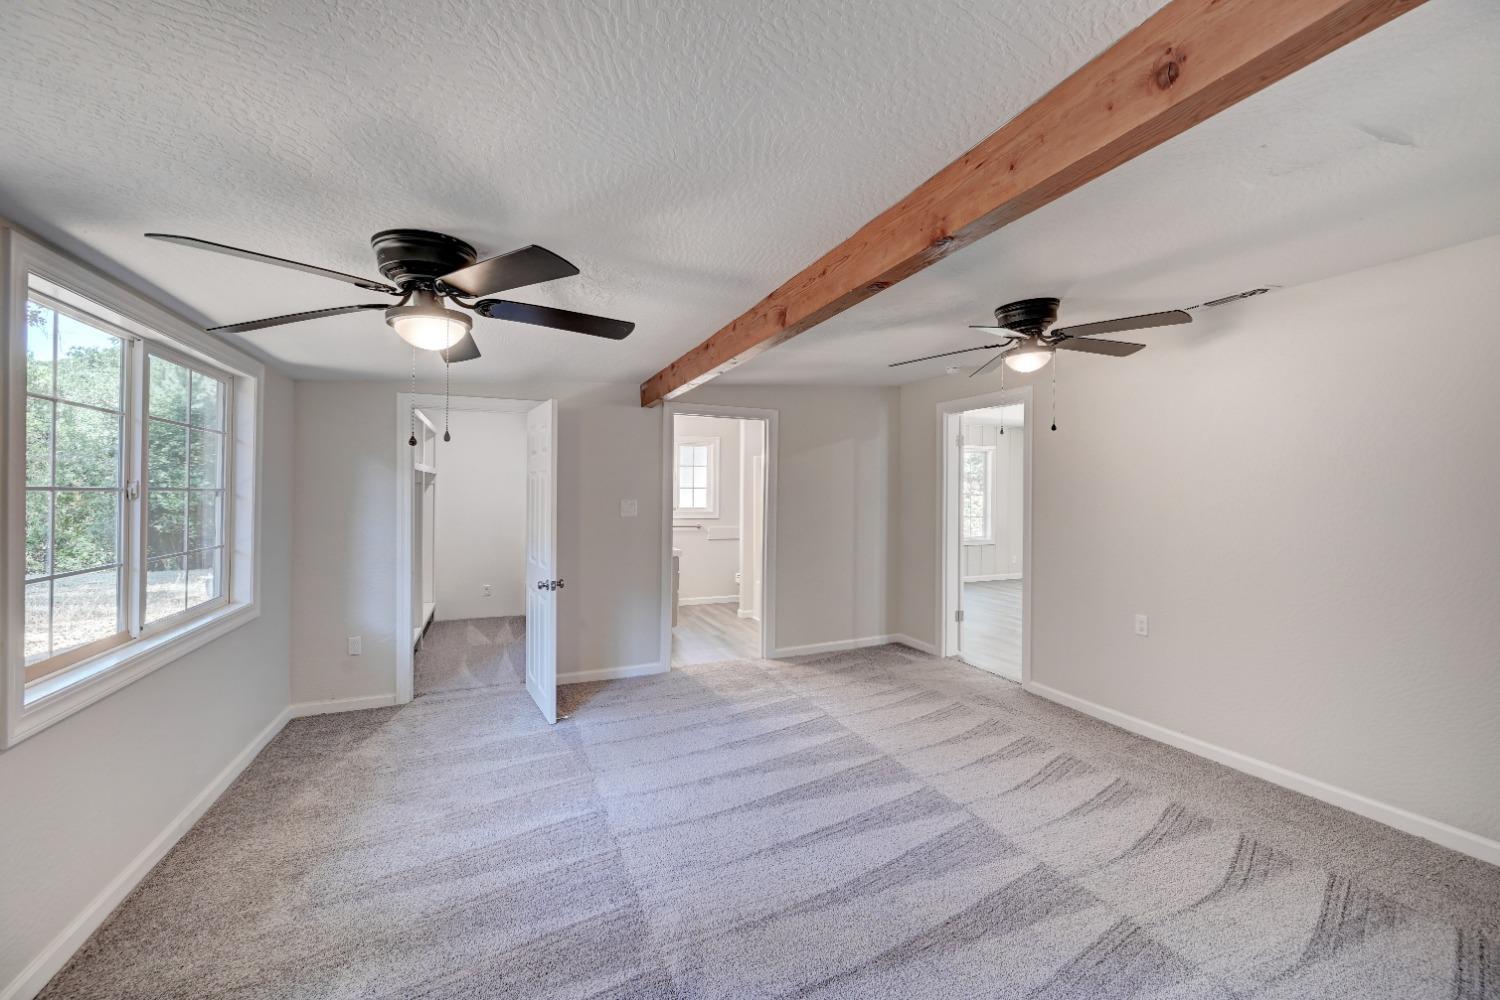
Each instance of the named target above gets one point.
<point>991,633</point>
<point>708,633</point>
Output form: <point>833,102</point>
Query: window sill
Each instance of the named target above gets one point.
<point>53,699</point>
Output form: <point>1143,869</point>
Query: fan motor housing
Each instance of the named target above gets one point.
<point>1028,316</point>
<point>407,256</point>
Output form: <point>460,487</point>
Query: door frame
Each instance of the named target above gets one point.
<point>950,557</point>
<point>423,400</point>
<point>768,526</point>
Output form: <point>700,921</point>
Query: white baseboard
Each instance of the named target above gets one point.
<point>683,602</point>
<point>1436,831</point>
<point>53,957</point>
<point>306,708</point>
<point>749,614</point>
<point>841,645</point>
<point>917,644</point>
<point>986,577</point>
<point>612,673</point>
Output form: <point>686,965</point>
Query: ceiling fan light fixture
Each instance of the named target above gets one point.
<point>1030,357</point>
<point>427,325</point>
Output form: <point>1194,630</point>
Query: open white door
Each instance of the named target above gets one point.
<point>542,584</point>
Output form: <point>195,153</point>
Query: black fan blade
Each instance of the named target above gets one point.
<point>1114,348</point>
<point>558,319</point>
<point>1171,317</point>
<point>464,350</point>
<point>949,354</point>
<point>261,324</point>
<point>992,362</point>
<point>353,279</point>
<point>525,266</point>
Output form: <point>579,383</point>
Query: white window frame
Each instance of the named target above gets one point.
<point>988,450</point>
<point>26,709</point>
<point>710,511</point>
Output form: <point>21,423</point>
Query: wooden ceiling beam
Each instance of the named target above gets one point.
<point>1187,62</point>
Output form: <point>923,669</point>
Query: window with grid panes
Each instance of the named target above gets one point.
<point>126,475</point>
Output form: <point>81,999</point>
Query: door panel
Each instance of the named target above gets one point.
<point>542,590</point>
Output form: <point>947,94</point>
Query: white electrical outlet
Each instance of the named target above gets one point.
<point>629,508</point>
<point>356,645</point>
<point>1142,625</point>
<point>488,590</point>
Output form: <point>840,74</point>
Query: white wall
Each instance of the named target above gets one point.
<point>710,563</point>
<point>344,574</point>
<point>835,506</point>
<point>83,798</point>
<point>1001,557</point>
<point>481,515</point>
<point>1300,491</point>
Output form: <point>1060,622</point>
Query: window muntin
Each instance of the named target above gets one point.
<point>76,598</point>
<point>696,478</point>
<point>976,502</point>
<point>126,485</point>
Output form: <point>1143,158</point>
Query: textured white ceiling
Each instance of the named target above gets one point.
<point>691,156</point>
<point>687,156</point>
<point>1387,148</point>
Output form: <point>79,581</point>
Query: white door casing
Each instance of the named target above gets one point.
<point>543,587</point>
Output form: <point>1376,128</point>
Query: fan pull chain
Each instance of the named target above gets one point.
<point>1054,391</point>
<point>446,435</point>
<point>413,411</point>
<point>1002,389</point>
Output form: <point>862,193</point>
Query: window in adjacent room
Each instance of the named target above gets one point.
<point>978,482</point>
<point>696,477</point>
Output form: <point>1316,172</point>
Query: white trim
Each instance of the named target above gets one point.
<point>767,602</point>
<point>1449,836</point>
<point>244,425</point>
<point>124,665</point>
<point>917,644</point>
<point>30,981</point>
<point>950,415</point>
<point>843,645</point>
<point>303,709</point>
<point>405,401</point>
<point>988,577</point>
<point>683,602</point>
<point>611,673</point>
<point>748,614</point>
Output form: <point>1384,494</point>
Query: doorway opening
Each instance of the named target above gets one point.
<point>984,595</point>
<point>720,465</point>
<point>476,535</point>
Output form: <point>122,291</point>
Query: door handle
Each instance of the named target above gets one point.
<point>557,585</point>
<point>542,585</point>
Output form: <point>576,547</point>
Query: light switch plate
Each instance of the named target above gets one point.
<point>629,508</point>
<point>1142,625</point>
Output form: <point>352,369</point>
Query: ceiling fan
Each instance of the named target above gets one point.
<point>429,272</point>
<point>1029,342</point>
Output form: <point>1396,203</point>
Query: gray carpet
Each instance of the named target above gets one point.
<point>870,824</point>
<point>470,653</point>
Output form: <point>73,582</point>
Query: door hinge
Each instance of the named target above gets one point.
<point>958,615</point>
